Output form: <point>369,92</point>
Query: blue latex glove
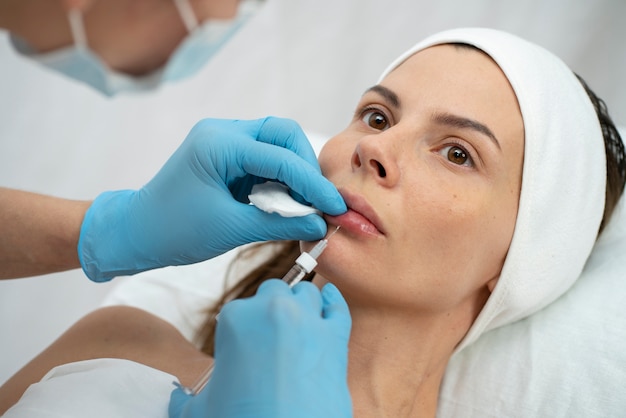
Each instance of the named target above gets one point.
<point>196,207</point>
<point>279,354</point>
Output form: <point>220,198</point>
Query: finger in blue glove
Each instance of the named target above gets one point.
<point>196,207</point>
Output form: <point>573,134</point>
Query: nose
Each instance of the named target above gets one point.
<point>376,155</point>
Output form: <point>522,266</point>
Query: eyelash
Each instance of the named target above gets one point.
<point>470,163</point>
<point>371,110</point>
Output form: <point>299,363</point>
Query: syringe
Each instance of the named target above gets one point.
<point>304,264</point>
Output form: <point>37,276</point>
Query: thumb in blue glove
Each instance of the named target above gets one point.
<point>196,207</point>
<point>281,353</point>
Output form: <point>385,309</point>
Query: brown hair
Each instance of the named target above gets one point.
<point>282,257</point>
<point>286,252</point>
<point>615,155</point>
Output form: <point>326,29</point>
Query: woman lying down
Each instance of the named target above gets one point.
<point>478,174</point>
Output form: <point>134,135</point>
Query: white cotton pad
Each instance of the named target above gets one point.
<point>273,197</point>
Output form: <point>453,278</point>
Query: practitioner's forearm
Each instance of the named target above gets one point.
<point>39,234</point>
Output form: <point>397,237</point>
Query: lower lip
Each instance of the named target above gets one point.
<point>354,222</point>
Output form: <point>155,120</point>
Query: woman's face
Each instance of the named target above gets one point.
<point>430,168</point>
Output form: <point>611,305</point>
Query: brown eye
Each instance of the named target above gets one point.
<point>457,155</point>
<point>375,119</point>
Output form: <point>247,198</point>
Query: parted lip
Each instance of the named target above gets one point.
<point>359,204</point>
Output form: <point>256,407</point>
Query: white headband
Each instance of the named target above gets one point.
<point>563,182</point>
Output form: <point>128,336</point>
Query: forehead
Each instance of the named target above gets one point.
<point>457,79</point>
<point>462,67</point>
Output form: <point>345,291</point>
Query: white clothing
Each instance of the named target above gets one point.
<point>101,388</point>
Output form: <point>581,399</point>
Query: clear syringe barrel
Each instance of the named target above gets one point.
<point>294,275</point>
<point>304,264</point>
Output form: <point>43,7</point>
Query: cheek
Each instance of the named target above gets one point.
<point>432,238</point>
<point>454,240</point>
<point>335,155</point>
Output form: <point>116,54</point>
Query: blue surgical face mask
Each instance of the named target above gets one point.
<point>80,63</point>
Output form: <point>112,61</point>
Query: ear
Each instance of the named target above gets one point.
<point>491,284</point>
<point>81,5</point>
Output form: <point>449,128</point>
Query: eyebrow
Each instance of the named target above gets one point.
<point>387,94</point>
<point>448,119</point>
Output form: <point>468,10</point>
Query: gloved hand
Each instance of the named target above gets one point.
<point>279,354</point>
<point>196,207</point>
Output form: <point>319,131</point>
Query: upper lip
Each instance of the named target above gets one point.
<point>358,204</point>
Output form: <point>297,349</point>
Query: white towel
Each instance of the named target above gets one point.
<point>563,183</point>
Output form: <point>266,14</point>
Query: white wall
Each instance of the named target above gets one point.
<point>308,60</point>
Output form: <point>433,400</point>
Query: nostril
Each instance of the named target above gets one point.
<point>381,170</point>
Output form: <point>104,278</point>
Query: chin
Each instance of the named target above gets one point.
<point>327,269</point>
<point>341,263</point>
<point>331,268</point>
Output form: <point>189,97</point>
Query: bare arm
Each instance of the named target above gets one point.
<point>39,234</point>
